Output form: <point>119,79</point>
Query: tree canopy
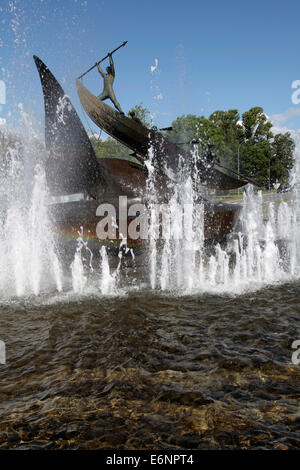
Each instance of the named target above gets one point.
<point>109,148</point>
<point>141,113</point>
<point>244,144</point>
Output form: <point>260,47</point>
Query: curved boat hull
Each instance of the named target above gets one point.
<point>138,138</point>
<point>73,167</point>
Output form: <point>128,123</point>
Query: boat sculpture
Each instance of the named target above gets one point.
<point>141,140</point>
<point>72,167</point>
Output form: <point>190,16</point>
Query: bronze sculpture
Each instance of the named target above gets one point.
<point>134,135</point>
<point>72,167</point>
<point>109,78</point>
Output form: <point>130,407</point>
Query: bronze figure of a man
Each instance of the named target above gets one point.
<point>109,78</point>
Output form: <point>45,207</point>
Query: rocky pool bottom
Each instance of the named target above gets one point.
<point>149,370</point>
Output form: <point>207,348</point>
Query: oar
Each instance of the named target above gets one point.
<point>241,176</point>
<point>95,65</point>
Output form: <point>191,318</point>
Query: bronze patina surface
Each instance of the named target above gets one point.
<point>73,167</point>
<point>140,139</point>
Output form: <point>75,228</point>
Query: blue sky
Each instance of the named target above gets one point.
<point>211,55</point>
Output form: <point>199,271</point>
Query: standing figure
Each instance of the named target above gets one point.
<point>109,78</point>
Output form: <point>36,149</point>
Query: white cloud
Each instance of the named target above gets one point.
<point>279,119</point>
<point>159,96</point>
<point>295,134</point>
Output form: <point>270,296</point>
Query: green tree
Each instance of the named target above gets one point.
<point>250,138</point>
<point>229,133</point>
<point>109,148</point>
<point>263,156</point>
<point>187,128</point>
<point>141,113</point>
<point>254,160</point>
<point>221,130</point>
<point>282,161</point>
<point>256,125</point>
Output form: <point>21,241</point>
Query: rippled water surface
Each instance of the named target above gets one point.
<point>151,371</point>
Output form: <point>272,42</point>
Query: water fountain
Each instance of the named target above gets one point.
<point>28,256</point>
<point>263,251</point>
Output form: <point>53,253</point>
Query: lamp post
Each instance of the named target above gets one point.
<point>239,159</point>
<point>243,142</point>
<point>270,158</point>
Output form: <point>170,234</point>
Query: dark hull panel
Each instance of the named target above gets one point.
<point>131,179</point>
<point>69,218</point>
<point>72,165</point>
<point>140,139</point>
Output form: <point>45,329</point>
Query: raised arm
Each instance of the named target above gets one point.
<point>100,71</point>
<point>112,65</point>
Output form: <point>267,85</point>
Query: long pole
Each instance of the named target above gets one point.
<point>250,180</point>
<point>239,161</point>
<point>95,65</point>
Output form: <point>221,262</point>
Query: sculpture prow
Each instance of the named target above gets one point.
<point>140,139</point>
<point>72,165</point>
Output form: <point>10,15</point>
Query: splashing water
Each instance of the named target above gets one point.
<point>29,263</point>
<point>88,280</point>
<point>108,280</point>
<point>27,252</point>
<point>264,251</point>
<point>79,278</point>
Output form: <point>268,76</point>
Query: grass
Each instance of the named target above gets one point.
<point>235,195</point>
